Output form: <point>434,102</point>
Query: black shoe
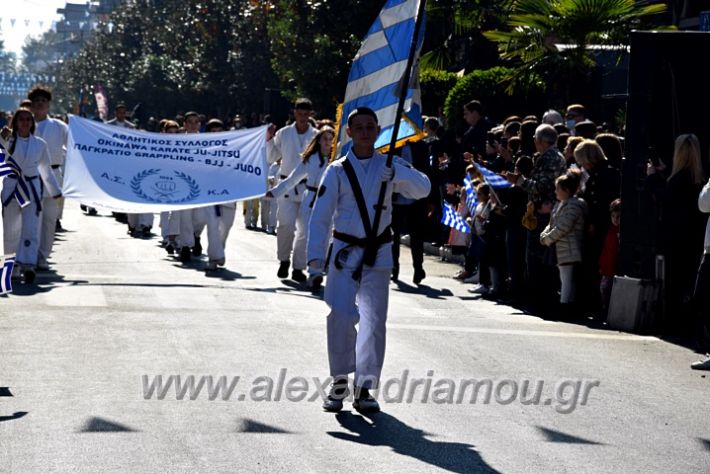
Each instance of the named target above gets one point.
<point>82,207</point>
<point>29,276</point>
<point>419,275</point>
<point>58,226</point>
<point>364,402</point>
<point>338,392</point>
<point>93,212</point>
<point>146,232</point>
<point>185,255</point>
<point>297,275</point>
<point>283,269</point>
<point>197,248</point>
<point>170,247</point>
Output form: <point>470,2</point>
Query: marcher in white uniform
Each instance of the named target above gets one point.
<point>288,144</point>
<point>191,219</point>
<point>220,219</point>
<point>21,225</point>
<point>311,168</point>
<point>270,206</point>
<point>357,289</point>
<point>54,133</point>
<point>169,221</point>
<point>139,225</point>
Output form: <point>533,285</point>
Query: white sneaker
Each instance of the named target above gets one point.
<point>701,364</point>
<point>479,290</point>
<point>472,279</point>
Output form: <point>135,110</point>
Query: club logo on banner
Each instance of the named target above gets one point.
<point>123,170</point>
<point>175,189</point>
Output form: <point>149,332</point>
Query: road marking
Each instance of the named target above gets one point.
<point>524,332</point>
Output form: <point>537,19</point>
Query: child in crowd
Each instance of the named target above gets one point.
<point>565,231</point>
<point>610,254</point>
<point>458,241</point>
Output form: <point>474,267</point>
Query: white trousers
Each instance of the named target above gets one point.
<point>192,222</point>
<point>291,233</point>
<point>49,215</point>
<point>251,212</point>
<point>268,213</point>
<point>21,227</point>
<point>218,226</point>
<point>349,350</point>
<point>140,221</point>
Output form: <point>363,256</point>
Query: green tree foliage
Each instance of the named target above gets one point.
<point>454,38</point>
<point>435,86</point>
<point>536,28</point>
<point>489,86</point>
<point>171,56</point>
<point>313,44</point>
<point>7,59</point>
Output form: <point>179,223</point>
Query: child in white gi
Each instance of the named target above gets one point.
<point>357,289</point>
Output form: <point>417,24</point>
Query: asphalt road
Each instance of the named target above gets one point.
<point>81,350</point>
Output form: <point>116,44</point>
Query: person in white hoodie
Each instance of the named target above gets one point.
<point>357,289</point>
<point>21,225</point>
<point>701,295</point>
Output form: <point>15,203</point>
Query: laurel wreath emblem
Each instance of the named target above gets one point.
<point>138,190</point>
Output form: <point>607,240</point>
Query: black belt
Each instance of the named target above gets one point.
<point>384,238</point>
<point>54,167</point>
<point>312,188</point>
<point>283,176</point>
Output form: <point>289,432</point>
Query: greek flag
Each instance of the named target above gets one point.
<point>492,179</point>
<point>10,168</point>
<point>6,264</point>
<point>453,219</point>
<point>377,72</point>
<point>471,196</point>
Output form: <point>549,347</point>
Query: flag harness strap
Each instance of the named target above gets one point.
<point>371,243</point>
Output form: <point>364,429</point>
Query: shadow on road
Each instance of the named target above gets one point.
<point>560,437</point>
<point>14,416</point>
<point>250,426</point>
<point>425,290</point>
<point>381,429</point>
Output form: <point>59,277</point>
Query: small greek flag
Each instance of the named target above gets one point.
<point>492,179</point>
<point>471,196</point>
<point>377,72</point>
<point>10,168</point>
<point>453,219</point>
<point>6,265</point>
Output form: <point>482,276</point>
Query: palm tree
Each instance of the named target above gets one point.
<point>550,38</point>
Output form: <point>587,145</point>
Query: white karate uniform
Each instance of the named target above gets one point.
<point>311,171</point>
<point>54,133</point>
<point>288,145</point>
<point>220,219</point>
<point>352,302</point>
<point>21,225</point>
<point>270,206</point>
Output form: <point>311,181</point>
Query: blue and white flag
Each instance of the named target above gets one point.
<point>6,265</point>
<point>471,196</point>
<point>377,72</point>
<point>10,168</point>
<point>453,219</point>
<point>133,171</point>
<point>494,180</point>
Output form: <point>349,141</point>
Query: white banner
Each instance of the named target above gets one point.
<point>122,170</point>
